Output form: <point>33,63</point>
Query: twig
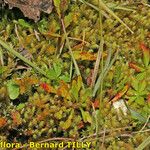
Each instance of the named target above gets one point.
<point>144,144</point>
<point>17,34</point>
<point>60,50</point>
<point>103,141</point>
<point>145,123</point>
<point>96,67</point>
<point>83,40</point>
<point>127,134</point>
<point>1,57</point>
<point>85,138</point>
<point>65,147</point>
<point>59,36</point>
<point>147,130</point>
<point>145,4</point>
<point>112,130</point>
<point>96,119</point>
<point>2,31</point>
<point>36,35</point>
<point>106,131</point>
<point>76,39</point>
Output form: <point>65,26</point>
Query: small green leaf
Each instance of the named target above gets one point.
<point>141,76</point>
<point>85,94</point>
<point>74,90</point>
<point>143,93</point>
<point>42,25</point>
<point>79,83</point>
<point>122,83</point>
<point>55,72</point>
<point>20,106</point>
<point>135,84</point>
<point>138,116</point>
<point>13,90</point>
<point>76,86</point>
<point>86,116</point>
<point>1,70</point>
<point>140,101</point>
<point>146,57</point>
<point>57,6</point>
<point>83,115</point>
<point>52,74</point>
<point>132,99</point>
<point>65,78</point>
<point>68,122</point>
<point>23,23</point>
<point>57,69</point>
<point>142,86</point>
<point>68,19</point>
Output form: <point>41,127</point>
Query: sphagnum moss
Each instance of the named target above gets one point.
<point>44,113</point>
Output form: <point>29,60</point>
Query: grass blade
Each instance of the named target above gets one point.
<point>144,144</point>
<point>108,10</point>
<point>104,73</point>
<point>94,7</point>
<point>11,50</point>
<point>70,50</point>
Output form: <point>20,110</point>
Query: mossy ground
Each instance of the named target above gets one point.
<point>62,104</point>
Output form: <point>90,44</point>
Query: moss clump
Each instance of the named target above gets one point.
<point>61,104</point>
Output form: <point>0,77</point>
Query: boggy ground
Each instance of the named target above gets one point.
<point>61,76</point>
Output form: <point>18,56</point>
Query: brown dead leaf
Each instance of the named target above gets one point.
<point>31,8</point>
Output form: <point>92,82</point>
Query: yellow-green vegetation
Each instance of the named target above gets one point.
<point>60,77</point>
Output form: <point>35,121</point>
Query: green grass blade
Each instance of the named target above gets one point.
<point>11,50</point>
<point>107,9</point>
<point>94,7</point>
<point>70,50</point>
<point>144,144</point>
<point>104,73</point>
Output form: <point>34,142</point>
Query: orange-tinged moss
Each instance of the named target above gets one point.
<point>16,118</point>
<point>144,47</point>
<point>96,104</point>
<point>135,67</point>
<point>77,47</point>
<point>63,90</point>
<point>29,39</point>
<point>81,125</point>
<point>120,94</point>
<point>39,103</point>
<point>25,83</point>
<point>48,88</point>
<point>3,122</point>
<point>146,54</point>
<point>42,115</point>
<point>50,49</point>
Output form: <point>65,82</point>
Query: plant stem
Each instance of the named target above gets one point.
<point>94,7</point>
<point>105,71</point>
<point>108,10</point>
<point>144,144</point>
<point>70,50</point>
